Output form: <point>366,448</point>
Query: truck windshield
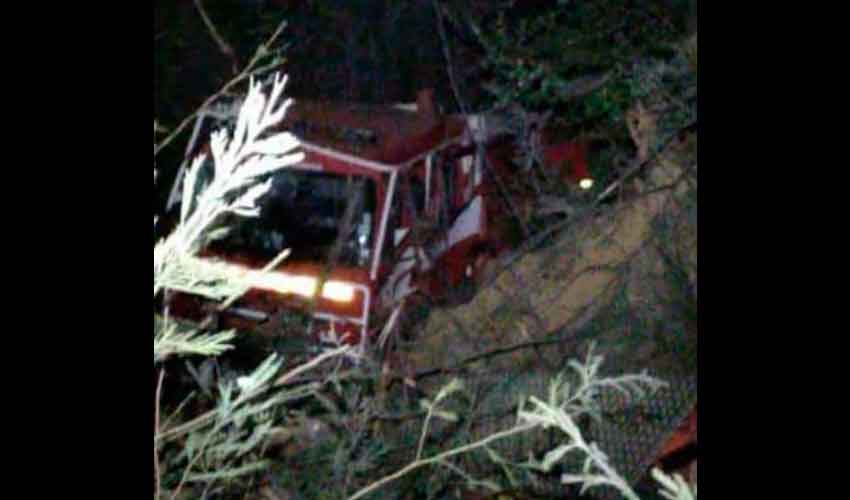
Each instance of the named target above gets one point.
<point>307,212</point>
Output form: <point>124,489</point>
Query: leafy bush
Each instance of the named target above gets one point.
<point>571,396</point>
<point>224,443</point>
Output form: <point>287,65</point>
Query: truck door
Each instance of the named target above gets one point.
<point>406,229</point>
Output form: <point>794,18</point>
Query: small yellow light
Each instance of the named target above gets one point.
<point>586,183</point>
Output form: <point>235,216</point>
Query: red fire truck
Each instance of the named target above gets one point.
<point>387,202</point>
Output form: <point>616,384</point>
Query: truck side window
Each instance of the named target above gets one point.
<point>417,193</point>
<point>447,172</point>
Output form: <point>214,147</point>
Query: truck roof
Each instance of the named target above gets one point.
<point>384,134</point>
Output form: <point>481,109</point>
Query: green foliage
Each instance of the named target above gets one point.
<point>584,66</point>
<point>567,402</point>
<point>576,57</point>
<point>674,488</point>
<point>570,396</point>
<point>173,339</point>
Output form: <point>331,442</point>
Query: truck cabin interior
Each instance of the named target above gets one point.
<point>306,212</point>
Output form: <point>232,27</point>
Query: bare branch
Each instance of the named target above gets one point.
<point>225,47</point>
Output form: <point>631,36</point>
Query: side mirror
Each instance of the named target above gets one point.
<point>364,230</point>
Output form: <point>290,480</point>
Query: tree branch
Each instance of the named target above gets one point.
<point>225,47</point>
<point>156,433</point>
<point>247,72</point>
<point>442,456</point>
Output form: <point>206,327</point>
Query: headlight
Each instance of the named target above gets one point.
<point>304,286</point>
<point>338,291</point>
<point>586,183</point>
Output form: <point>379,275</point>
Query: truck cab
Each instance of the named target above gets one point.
<point>387,202</point>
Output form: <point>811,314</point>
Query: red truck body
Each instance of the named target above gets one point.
<point>425,223</point>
